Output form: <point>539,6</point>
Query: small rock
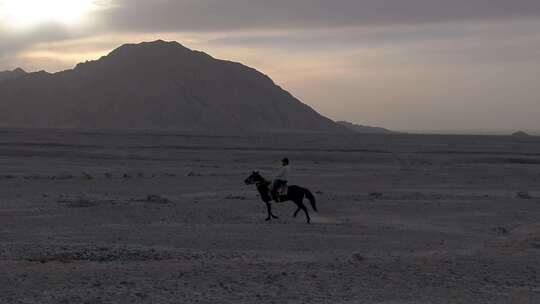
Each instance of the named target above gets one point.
<point>500,230</point>
<point>87,176</point>
<point>523,195</point>
<point>157,199</point>
<point>64,177</point>
<point>235,197</point>
<point>79,203</point>
<point>357,257</point>
<point>376,194</point>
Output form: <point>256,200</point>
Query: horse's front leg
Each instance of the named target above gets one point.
<point>269,210</point>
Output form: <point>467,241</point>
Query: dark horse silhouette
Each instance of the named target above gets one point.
<point>294,193</point>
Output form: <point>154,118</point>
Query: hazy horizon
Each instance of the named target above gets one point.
<point>410,66</point>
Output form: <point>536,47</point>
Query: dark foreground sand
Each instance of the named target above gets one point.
<point>403,219</point>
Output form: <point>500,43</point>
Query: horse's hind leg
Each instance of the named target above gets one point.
<point>303,207</point>
<point>298,207</point>
<point>296,212</point>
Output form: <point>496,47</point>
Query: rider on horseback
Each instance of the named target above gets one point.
<point>295,194</point>
<point>280,180</point>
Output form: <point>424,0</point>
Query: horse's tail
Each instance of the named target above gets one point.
<point>311,198</point>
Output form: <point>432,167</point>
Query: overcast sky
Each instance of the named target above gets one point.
<point>409,65</point>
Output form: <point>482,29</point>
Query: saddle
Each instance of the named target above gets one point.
<point>283,189</point>
<point>280,192</point>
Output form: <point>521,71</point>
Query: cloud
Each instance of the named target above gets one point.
<point>13,42</point>
<point>317,23</point>
<point>14,39</point>
<point>212,15</point>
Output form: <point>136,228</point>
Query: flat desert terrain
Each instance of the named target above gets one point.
<point>142,217</point>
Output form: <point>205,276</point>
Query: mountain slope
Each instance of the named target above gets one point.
<point>157,85</point>
<point>364,129</point>
<point>18,72</point>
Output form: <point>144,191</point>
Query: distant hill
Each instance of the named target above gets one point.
<point>364,129</point>
<point>521,134</point>
<point>157,85</point>
<point>18,72</point>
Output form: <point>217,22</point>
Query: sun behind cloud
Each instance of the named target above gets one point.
<point>24,14</point>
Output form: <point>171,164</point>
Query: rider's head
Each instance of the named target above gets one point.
<point>285,161</point>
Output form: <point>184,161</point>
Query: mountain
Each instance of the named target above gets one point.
<point>364,129</point>
<point>18,72</point>
<point>157,85</point>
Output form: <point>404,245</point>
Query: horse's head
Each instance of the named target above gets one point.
<point>254,178</point>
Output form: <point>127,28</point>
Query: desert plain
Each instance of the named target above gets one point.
<point>164,217</point>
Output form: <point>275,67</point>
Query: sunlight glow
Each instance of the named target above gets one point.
<point>28,13</point>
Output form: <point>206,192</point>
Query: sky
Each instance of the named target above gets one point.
<point>450,66</point>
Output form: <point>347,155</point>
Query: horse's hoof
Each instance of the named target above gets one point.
<point>275,217</point>
<point>268,218</point>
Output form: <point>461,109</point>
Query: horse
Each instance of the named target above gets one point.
<point>294,193</point>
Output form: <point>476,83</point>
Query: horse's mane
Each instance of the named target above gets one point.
<point>263,179</point>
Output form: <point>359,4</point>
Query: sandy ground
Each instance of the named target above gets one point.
<point>402,219</point>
